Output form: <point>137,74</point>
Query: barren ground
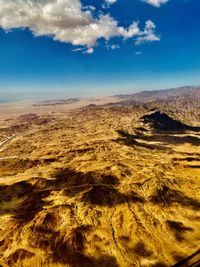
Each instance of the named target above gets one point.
<point>93,187</point>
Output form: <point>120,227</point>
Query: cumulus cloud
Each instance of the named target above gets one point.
<point>148,34</point>
<point>69,21</point>
<point>108,3</point>
<point>156,3</point>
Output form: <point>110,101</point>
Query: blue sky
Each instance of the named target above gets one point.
<point>35,65</point>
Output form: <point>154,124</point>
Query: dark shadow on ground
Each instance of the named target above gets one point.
<point>189,159</point>
<point>134,141</point>
<point>29,198</point>
<point>65,249</point>
<point>166,196</point>
<point>171,139</point>
<point>178,229</point>
<point>141,250</point>
<point>192,166</point>
<point>164,140</point>
<point>93,188</point>
<point>191,261</point>
<point>161,122</point>
<point>68,247</point>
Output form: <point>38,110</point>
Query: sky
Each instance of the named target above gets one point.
<point>80,48</point>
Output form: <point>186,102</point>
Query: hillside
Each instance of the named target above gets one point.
<point>101,185</point>
<point>180,92</point>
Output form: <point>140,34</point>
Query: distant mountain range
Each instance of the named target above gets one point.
<point>181,103</point>
<point>147,96</point>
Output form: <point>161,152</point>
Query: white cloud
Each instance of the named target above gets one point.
<point>112,46</point>
<point>156,3</point>
<point>110,2</point>
<point>87,50</point>
<point>90,50</point>
<point>92,8</point>
<point>68,21</point>
<point>77,49</point>
<point>148,34</point>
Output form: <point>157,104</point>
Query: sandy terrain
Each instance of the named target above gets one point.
<point>96,186</point>
<point>9,110</point>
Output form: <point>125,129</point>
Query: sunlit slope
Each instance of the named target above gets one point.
<point>99,187</point>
